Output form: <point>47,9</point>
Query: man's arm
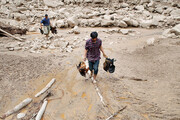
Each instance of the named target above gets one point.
<point>101,48</point>
<point>85,55</point>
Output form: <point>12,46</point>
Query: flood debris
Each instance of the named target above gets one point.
<point>46,88</point>
<point>41,111</point>
<point>17,108</point>
<point>116,113</point>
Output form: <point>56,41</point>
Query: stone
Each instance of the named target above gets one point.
<point>150,41</point>
<point>98,1</point>
<point>175,13</point>
<point>53,3</point>
<point>76,30</point>
<point>19,16</point>
<point>176,30</point>
<point>20,115</point>
<point>124,31</point>
<point>88,1</point>
<point>69,49</point>
<point>72,21</point>
<point>131,22</point>
<point>139,7</point>
<point>17,48</point>
<point>60,23</point>
<point>19,2</point>
<point>122,24</point>
<point>107,23</point>
<point>124,5</point>
<point>32,29</point>
<point>52,47</point>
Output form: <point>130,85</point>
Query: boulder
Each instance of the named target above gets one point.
<point>107,23</point>
<point>124,31</point>
<point>60,23</point>
<point>139,7</point>
<point>131,22</point>
<point>19,16</point>
<point>150,41</point>
<point>72,21</point>
<point>124,5</point>
<point>175,14</point>
<point>76,30</point>
<point>176,30</point>
<point>98,1</point>
<point>122,24</point>
<point>19,2</point>
<point>88,1</point>
<point>53,3</point>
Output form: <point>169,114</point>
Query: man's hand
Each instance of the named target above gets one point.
<point>105,55</point>
<point>84,58</point>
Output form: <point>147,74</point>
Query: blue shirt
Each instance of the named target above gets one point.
<point>46,22</point>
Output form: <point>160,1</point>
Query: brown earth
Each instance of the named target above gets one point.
<point>146,80</point>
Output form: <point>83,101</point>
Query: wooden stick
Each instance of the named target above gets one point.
<point>11,35</point>
<point>46,88</point>
<point>41,111</point>
<point>17,108</point>
<point>115,114</point>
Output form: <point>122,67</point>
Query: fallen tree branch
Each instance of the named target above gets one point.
<point>17,108</point>
<point>41,111</point>
<point>46,88</point>
<point>116,113</point>
<point>8,34</point>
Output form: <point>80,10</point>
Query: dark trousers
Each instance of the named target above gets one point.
<point>94,66</point>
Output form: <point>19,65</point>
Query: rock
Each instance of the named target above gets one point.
<point>76,30</point>
<point>122,24</point>
<point>176,30</point>
<point>17,48</point>
<point>98,1</point>
<point>32,29</point>
<point>159,9</point>
<point>88,1</point>
<point>52,47</point>
<point>19,16</point>
<point>11,49</point>
<point>131,22</point>
<point>124,5</point>
<point>124,31</point>
<point>107,23</point>
<point>60,23</point>
<point>72,21</point>
<point>53,3</point>
<point>69,49</point>
<point>20,115</point>
<point>149,23</point>
<point>150,41</point>
<point>145,1</point>
<point>19,2</point>
<point>139,7</point>
<point>175,14</point>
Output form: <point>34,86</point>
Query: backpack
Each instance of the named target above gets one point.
<point>108,65</point>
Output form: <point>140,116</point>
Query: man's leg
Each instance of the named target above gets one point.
<point>95,66</point>
<point>91,67</point>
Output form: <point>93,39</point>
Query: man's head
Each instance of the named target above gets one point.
<point>46,16</point>
<point>94,36</point>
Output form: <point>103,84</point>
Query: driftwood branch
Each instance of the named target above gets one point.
<point>116,113</point>
<point>8,34</point>
<point>46,88</point>
<point>17,108</point>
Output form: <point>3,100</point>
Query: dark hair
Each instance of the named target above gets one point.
<point>46,14</point>
<point>94,35</point>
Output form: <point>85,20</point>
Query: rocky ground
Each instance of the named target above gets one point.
<point>146,79</point>
<point>142,35</point>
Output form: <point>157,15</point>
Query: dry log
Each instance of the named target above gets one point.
<point>116,113</point>
<point>41,111</point>
<point>17,108</point>
<point>8,34</point>
<point>46,88</point>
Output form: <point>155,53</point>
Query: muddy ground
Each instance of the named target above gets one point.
<point>146,80</point>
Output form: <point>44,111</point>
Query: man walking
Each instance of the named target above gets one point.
<point>46,25</point>
<point>92,53</point>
